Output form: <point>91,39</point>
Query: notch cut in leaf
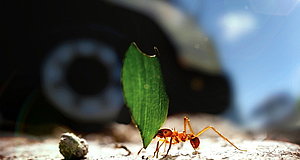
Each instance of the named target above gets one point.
<point>144,92</point>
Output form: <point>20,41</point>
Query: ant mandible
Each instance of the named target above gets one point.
<point>170,137</point>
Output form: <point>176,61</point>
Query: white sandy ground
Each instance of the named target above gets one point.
<point>209,150</point>
<point>102,146</point>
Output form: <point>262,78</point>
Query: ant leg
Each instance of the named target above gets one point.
<point>226,139</point>
<point>158,147</point>
<point>140,151</point>
<point>185,119</point>
<point>165,146</point>
<point>168,148</point>
<point>188,123</point>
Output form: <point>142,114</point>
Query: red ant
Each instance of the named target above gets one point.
<point>174,137</point>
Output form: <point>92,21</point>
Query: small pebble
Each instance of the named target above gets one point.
<point>72,147</point>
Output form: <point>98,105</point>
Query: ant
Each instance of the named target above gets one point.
<point>170,137</point>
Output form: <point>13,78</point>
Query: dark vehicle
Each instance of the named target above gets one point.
<point>61,60</point>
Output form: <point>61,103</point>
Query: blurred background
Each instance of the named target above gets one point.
<point>239,59</point>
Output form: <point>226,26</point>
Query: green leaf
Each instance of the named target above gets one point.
<point>144,92</point>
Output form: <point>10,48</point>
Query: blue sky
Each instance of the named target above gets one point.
<point>258,43</point>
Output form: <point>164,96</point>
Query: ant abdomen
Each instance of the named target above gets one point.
<point>195,142</point>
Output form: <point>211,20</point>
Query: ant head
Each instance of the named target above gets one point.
<point>195,142</point>
<point>162,133</point>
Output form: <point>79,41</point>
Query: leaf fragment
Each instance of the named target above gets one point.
<point>144,92</point>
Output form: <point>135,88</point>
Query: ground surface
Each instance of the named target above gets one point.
<point>210,149</point>
<point>112,146</point>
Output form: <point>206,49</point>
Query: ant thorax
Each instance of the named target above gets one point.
<point>179,136</point>
<point>183,136</point>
